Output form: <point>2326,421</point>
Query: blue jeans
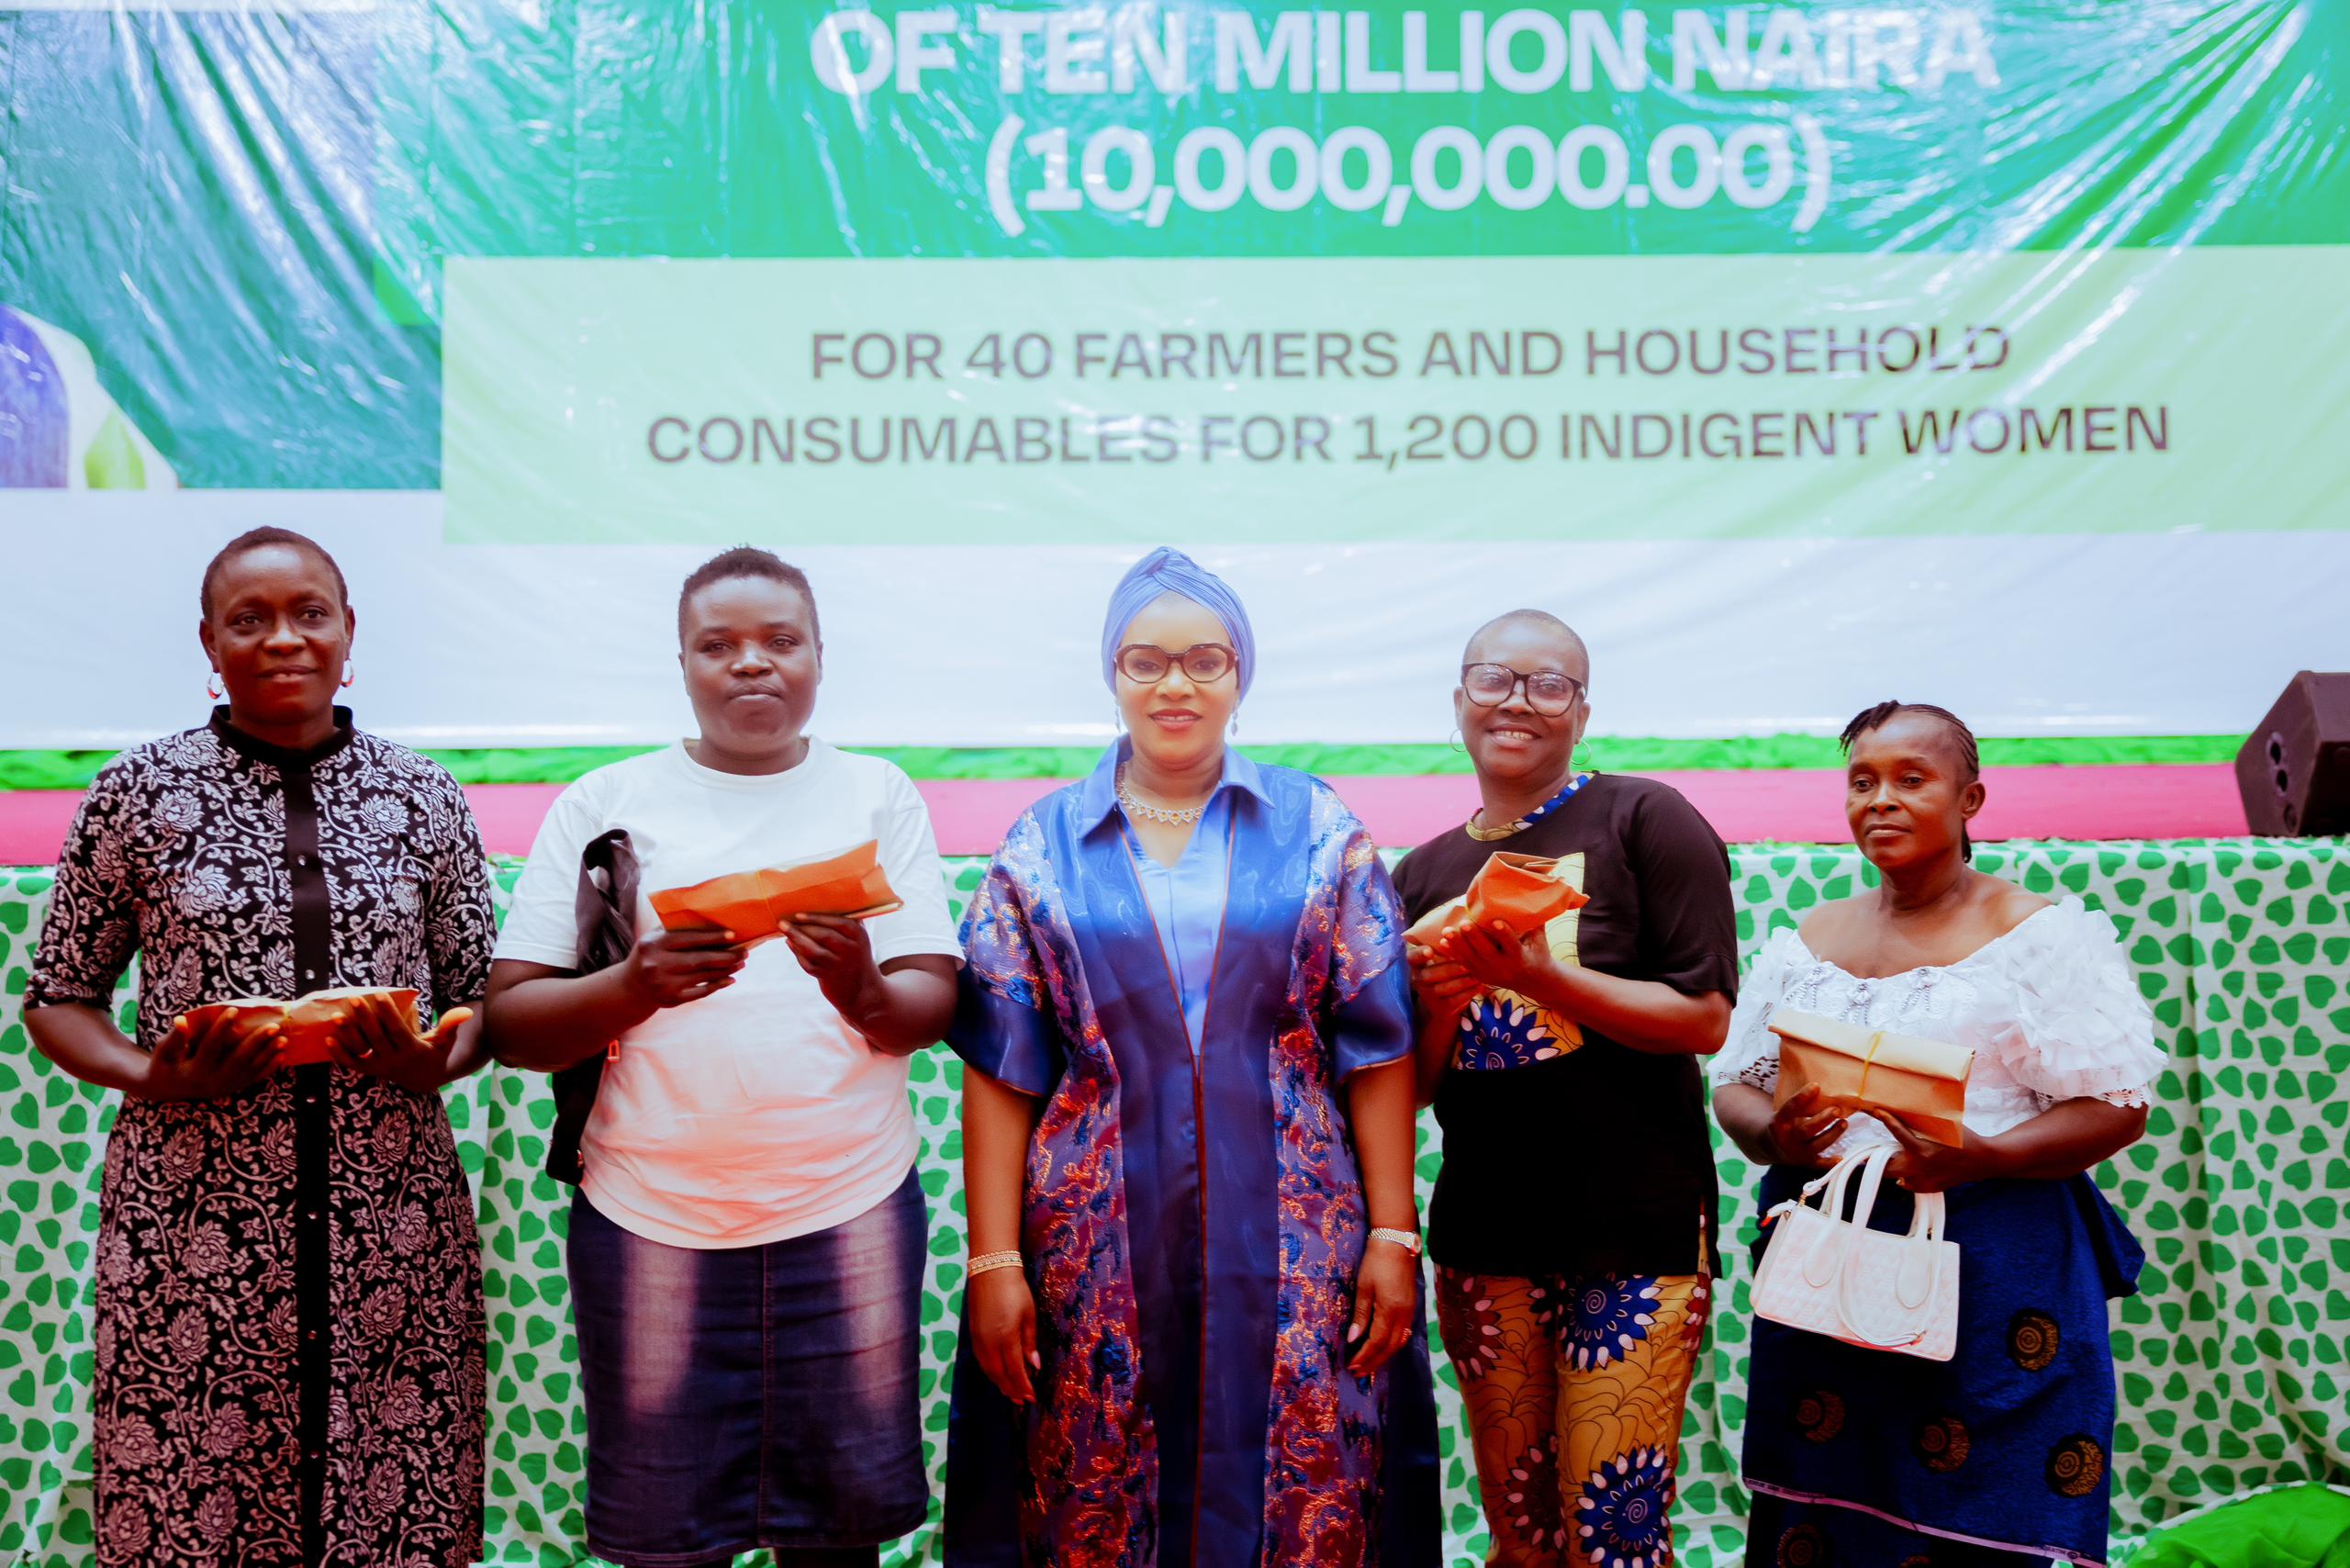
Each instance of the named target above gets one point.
<point>754,1396</point>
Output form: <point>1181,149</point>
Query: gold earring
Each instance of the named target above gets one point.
<point>349,675</point>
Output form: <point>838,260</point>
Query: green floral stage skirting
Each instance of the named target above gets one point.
<point>2231,1358</point>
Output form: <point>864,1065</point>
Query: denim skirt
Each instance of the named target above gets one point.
<point>753,1396</point>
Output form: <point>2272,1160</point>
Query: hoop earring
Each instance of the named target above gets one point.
<point>1454,744</point>
<point>349,675</point>
<point>212,686</point>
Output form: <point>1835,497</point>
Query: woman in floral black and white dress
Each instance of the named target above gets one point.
<point>289,1301</point>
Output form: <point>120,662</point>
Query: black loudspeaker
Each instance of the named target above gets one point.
<point>2294,770</point>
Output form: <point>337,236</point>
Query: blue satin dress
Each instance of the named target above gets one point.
<point>1194,1220</point>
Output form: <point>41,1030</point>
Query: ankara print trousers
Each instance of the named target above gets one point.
<point>1574,1390</point>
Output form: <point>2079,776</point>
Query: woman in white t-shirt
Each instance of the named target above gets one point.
<point>747,1244</point>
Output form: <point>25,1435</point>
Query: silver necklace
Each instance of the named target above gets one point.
<point>1137,807</point>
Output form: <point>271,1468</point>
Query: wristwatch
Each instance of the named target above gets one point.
<point>1409,1240</point>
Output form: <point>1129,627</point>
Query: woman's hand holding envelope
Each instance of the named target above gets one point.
<point>1802,1128</point>
<point>1495,935</point>
<point>835,949</point>
<point>1927,1165</point>
<point>899,1010</point>
<point>208,1055</point>
<point>379,1036</point>
<point>1443,986</point>
<point>1497,958</point>
<point>669,968</point>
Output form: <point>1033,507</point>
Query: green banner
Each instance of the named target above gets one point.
<point>312,172</point>
<point>1981,335</point>
<point>1355,399</point>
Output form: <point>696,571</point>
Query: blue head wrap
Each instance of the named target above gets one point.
<point>1170,571</point>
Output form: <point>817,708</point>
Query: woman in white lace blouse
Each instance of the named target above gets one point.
<point>1999,1455</point>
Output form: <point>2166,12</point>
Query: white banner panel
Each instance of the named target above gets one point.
<point>940,645</point>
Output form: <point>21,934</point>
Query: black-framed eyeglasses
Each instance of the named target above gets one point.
<point>1146,664</point>
<point>1548,692</point>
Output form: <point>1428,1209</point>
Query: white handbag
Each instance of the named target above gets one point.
<point>1829,1275</point>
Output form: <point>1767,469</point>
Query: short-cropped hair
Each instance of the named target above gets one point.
<point>748,561</point>
<point>262,538</point>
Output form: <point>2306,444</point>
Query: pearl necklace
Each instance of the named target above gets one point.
<point>1137,807</point>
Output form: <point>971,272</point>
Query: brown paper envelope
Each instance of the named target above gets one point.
<point>784,880</point>
<point>1522,892</point>
<point>1424,931</point>
<point>1923,1081</point>
<point>312,1018</point>
<point>755,905</point>
<point>857,890</point>
<point>735,903</point>
<point>307,1023</point>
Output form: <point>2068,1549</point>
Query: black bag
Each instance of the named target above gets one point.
<point>605,908</point>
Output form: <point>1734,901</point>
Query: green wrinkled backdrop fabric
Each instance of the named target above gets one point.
<point>2292,1527</point>
<point>2231,1358</point>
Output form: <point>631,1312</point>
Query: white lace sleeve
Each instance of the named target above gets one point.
<point>1749,1053</point>
<point>2082,1029</point>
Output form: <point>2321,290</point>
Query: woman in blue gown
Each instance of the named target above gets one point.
<point>1193,1330</point>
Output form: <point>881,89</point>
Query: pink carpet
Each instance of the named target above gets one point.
<point>2182,800</point>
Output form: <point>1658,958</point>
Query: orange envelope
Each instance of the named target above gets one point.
<point>304,1023</point>
<point>1522,891</point>
<point>756,905</point>
<point>1922,1081</point>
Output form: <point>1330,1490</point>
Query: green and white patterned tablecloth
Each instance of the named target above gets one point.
<point>2231,1358</point>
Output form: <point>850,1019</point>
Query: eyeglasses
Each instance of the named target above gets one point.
<point>1203,663</point>
<point>1548,692</point>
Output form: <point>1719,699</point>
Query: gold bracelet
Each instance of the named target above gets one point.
<point>1409,1240</point>
<point>986,1261</point>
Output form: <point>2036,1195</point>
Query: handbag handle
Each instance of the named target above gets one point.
<point>1820,1266</point>
<point>1872,1177</point>
<point>1921,1271</point>
<point>1920,1253</point>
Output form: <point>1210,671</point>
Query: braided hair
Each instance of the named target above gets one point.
<point>1970,759</point>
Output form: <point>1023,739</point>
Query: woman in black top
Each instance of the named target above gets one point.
<point>1572,1226</point>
